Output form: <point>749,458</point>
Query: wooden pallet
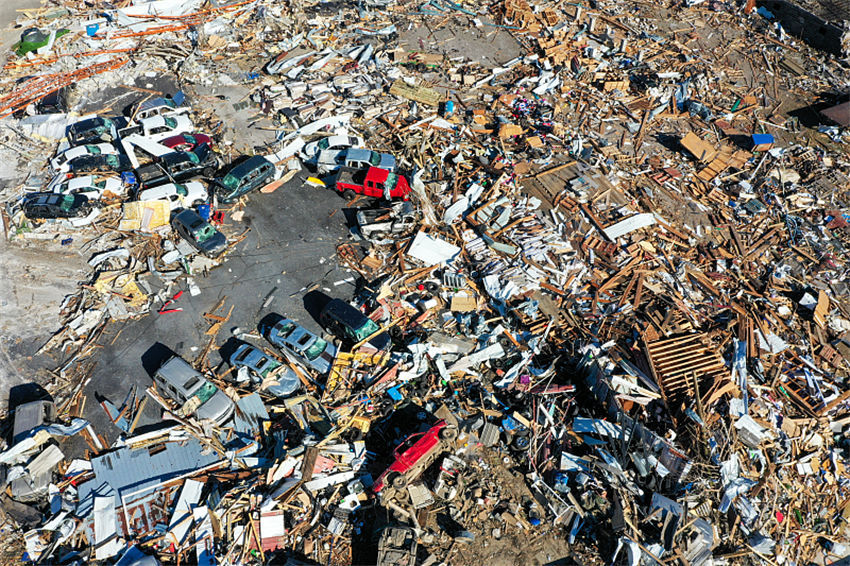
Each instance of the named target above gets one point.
<point>679,364</point>
<point>798,392</point>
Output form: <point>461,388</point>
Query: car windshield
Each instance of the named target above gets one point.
<point>190,383</point>
<point>230,182</point>
<point>112,160</point>
<point>324,144</point>
<point>194,158</point>
<point>375,158</point>
<point>67,202</point>
<point>366,330</point>
<point>181,190</point>
<point>392,180</point>
<point>285,328</point>
<point>206,391</point>
<point>241,357</point>
<point>171,123</point>
<point>316,349</point>
<point>93,149</point>
<point>189,139</point>
<point>94,130</point>
<point>100,184</point>
<point>202,232</point>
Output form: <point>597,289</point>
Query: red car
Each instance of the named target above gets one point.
<point>414,455</point>
<point>372,182</point>
<point>187,142</point>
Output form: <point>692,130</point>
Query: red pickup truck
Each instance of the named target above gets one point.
<point>371,182</point>
<point>413,456</point>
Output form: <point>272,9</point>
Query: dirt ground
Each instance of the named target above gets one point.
<point>34,281</point>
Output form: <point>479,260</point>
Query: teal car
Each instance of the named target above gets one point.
<point>247,176</point>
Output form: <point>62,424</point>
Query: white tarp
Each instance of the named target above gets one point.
<point>137,16</point>
<point>432,251</point>
<point>50,127</point>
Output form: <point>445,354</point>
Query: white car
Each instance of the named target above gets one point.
<point>329,160</point>
<point>312,149</point>
<point>59,163</point>
<point>183,195</point>
<point>158,128</point>
<point>93,186</point>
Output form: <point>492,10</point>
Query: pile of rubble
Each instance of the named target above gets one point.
<point>601,309</point>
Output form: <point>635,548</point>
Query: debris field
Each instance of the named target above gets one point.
<point>550,283</point>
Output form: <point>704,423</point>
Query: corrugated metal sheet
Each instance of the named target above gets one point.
<point>127,471</point>
<point>250,412</point>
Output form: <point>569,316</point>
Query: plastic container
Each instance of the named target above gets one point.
<point>204,211</point>
<point>91,29</point>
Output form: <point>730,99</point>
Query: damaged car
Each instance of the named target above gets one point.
<point>91,131</point>
<point>53,205</point>
<point>199,233</point>
<point>291,337</point>
<point>178,195</point>
<point>99,162</point>
<point>247,176</point>
<point>178,166</point>
<point>61,163</point>
<point>279,380</point>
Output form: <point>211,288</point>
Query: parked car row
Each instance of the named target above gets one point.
<point>101,161</point>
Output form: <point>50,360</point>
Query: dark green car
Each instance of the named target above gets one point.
<point>245,177</point>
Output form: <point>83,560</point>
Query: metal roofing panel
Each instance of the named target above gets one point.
<point>128,471</point>
<point>250,411</point>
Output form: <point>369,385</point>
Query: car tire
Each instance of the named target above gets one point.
<point>520,443</point>
<point>397,480</point>
<point>431,287</point>
<point>208,171</point>
<point>448,434</point>
<point>348,194</point>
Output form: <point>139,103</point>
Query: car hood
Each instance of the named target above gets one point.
<point>215,245</point>
<point>218,408</point>
<point>287,384</point>
<point>387,162</point>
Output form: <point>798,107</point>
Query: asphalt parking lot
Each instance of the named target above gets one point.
<point>290,248</point>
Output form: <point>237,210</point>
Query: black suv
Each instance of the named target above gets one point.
<point>86,164</point>
<point>92,130</point>
<point>351,325</point>
<point>54,205</point>
<point>178,166</point>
